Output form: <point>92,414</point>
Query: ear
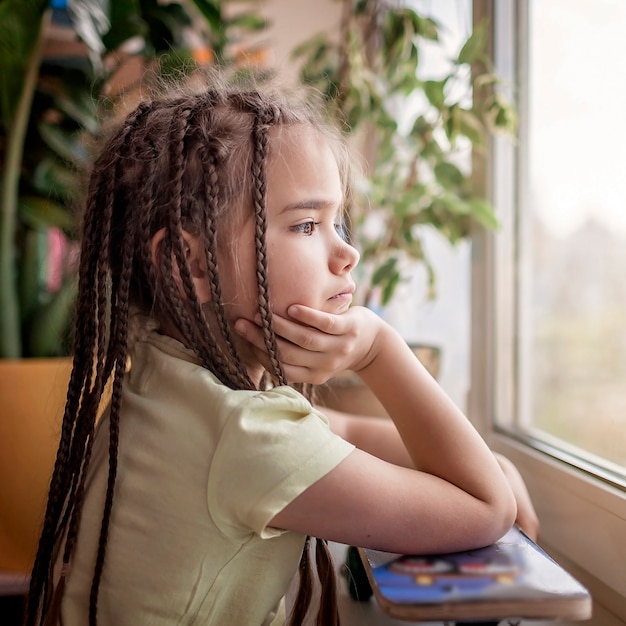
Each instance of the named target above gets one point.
<point>194,253</point>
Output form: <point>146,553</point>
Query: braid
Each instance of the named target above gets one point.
<point>208,159</point>
<point>328,614</point>
<point>147,200</point>
<point>260,144</point>
<point>119,343</point>
<point>265,116</point>
<point>305,588</point>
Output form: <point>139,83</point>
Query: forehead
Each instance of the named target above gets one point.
<point>301,165</point>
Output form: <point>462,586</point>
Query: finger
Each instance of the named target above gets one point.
<point>326,322</point>
<point>299,365</point>
<point>251,332</point>
<point>307,356</point>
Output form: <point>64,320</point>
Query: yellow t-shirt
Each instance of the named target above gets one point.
<point>202,469</point>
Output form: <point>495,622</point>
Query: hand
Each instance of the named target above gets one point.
<point>527,518</point>
<point>313,345</point>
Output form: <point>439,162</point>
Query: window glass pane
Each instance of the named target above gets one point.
<point>575,211</point>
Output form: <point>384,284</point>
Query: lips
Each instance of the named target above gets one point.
<point>346,293</point>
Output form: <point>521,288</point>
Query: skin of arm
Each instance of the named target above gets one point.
<point>454,497</point>
<point>380,437</point>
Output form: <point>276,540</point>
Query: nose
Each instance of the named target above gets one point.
<point>344,258</point>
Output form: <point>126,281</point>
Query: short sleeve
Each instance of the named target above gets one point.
<point>274,445</point>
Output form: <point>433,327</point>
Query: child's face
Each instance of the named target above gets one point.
<point>308,261</point>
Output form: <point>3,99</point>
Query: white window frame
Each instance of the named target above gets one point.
<point>583,515</point>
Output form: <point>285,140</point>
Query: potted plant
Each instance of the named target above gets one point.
<point>48,102</point>
<point>417,134</point>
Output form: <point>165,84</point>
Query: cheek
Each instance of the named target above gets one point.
<point>291,282</point>
<point>237,271</point>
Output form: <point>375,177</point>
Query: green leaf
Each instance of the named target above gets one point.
<point>470,126</point>
<point>66,145</point>
<point>126,23</point>
<point>54,178</point>
<point>454,204</point>
<point>80,106</point>
<point>452,122</point>
<point>20,22</point>
<point>483,212</point>
<point>248,21</point>
<point>389,288</point>
<point>502,114</point>
<point>31,270</point>
<point>434,91</point>
<point>425,27</point>
<point>49,327</point>
<point>449,175</point>
<point>211,12</point>
<point>475,47</point>
<point>42,213</point>
<point>385,271</point>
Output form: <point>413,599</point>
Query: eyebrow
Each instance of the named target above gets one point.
<point>315,205</point>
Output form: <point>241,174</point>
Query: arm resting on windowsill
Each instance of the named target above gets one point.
<point>379,436</point>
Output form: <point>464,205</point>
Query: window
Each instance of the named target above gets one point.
<point>571,219</point>
<point>548,332</point>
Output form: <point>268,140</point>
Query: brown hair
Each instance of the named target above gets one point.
<point>177,162</point>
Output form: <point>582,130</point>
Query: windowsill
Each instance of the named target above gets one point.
<point>583,525</point>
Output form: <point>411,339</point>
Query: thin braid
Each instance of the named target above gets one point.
<point>328,613</point>
<point>147,200</point>
<point>200,331</point>
<point>120,344</point>
<point>304,594</point>
<point>60,473</point>
<point>208,159</point>
<point>260,148</point>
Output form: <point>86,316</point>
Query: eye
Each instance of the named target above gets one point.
<point>306,228</point>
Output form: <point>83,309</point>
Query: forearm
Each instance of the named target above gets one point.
<point>376,435</point>
<point>379,436</point>
<point>526,515</point>
<point>438,437</point>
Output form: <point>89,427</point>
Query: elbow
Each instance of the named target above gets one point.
<point>502,515</point>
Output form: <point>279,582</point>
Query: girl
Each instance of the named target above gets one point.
<point>213,261</point>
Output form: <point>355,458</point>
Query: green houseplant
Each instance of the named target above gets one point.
<point>416,132</point>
